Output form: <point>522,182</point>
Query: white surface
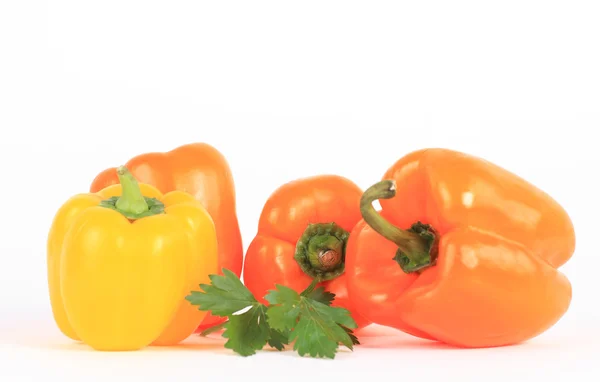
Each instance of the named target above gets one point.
<point>287,90</point>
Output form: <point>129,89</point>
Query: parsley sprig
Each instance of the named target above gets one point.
<point>305,319</point>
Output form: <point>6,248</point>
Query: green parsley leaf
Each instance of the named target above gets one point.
<point>317,327</point>
<point>321,295</point>
<point>318,331</point>
<point>306,319</point>
<point>352,335</point>
<point>278,339</point>
<point>225,295</point>
<point>284,310</point>
<point>326,297</point>
<point>247,332</point>
<point>281,295</point>
<point>246,328</point>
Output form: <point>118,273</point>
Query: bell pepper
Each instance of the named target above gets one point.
<point>121,261</point>
<point>202,171</point>
<point>302,234</point>
<point>463,252</point>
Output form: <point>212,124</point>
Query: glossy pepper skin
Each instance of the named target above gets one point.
<point>295,224</point>
<point>482,274</point>
<point>118,275</point>
<point>202,171</point>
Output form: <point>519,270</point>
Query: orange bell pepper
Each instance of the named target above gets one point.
<point>463,252</point>
<point>202,171</point>
<point>302,235</point>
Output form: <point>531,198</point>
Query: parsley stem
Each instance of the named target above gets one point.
<point>213,329</point>
<point>311,287</point>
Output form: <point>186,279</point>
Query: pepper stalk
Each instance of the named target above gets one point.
<point>321,251</point>
<point>417,246</point>
<point>132,203</point>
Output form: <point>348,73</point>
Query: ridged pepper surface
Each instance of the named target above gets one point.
<point>462,251</point>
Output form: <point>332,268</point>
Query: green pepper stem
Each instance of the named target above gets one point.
<point>131,200</point>
<point>321,250</point>
<point>414,247</point>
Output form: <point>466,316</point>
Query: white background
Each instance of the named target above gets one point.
<point>286,90</point>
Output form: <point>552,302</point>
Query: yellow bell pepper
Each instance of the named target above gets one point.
<point>121,261</point>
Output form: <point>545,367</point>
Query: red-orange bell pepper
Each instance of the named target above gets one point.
<point>463,252</point>
<point>302,234</point>
<point>202,171</point>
